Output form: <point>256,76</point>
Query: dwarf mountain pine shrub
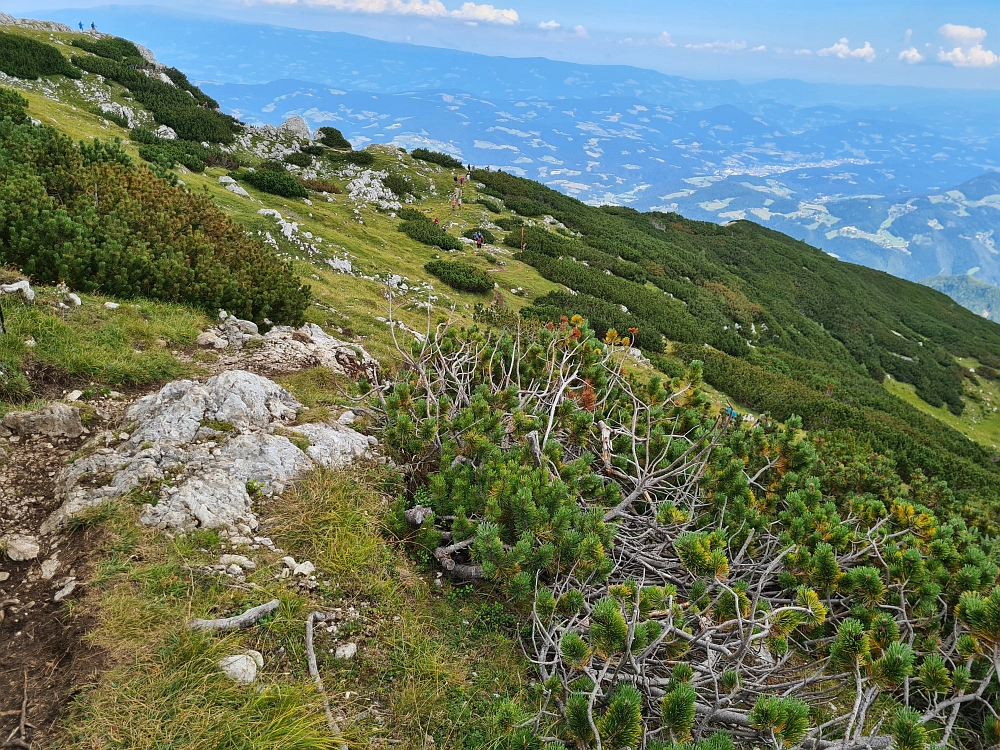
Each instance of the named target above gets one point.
<point>176,107</point>
<point>111,47</point>
<point>88,216</point>
<point>461,275</point>
<point>333,138</point>
<point>274,182</point>
<point>681,575</point>
<point>422,229</point>
<point>436,157</point>
<point>24,57</point>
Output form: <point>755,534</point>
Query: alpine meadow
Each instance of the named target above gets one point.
<point>314,441</point>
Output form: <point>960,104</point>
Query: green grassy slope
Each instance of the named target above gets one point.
<point>789,329</point>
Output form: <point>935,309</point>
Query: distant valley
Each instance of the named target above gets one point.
<point>899,179</point>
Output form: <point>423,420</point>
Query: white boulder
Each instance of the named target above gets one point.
<point>216,442</point>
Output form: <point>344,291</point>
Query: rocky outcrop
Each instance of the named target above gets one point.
<point>286,349</point>
<point>204,451</point>
<point>22,287</point>
<point>297,127</point>
<point>19,547</point>
<point>237,190</point>
<point>28,23</point>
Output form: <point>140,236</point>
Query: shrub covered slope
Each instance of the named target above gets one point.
<point>781,326</point>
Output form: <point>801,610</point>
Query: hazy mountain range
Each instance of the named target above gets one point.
<point>895,178</point>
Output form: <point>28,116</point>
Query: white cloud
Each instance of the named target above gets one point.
<point>963,36</point>
<point>549,25</point>
<point>803,52</point>
<point>969,52</point>
<point>973,57</point>
<point>469,12</point>
<point>664,40</point>
<point>908,36</point>
<point>717,46</point>
<point>760,48</point>
<point>842,49</point>
<point>911,56</point>
<point>581,32</point>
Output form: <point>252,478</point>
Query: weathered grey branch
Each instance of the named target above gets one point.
<point>248,618</point>
<point>314,673</point>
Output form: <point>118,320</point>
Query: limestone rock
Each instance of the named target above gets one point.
<point>68,588</point>
<point>297,127</point>
<point>242,667</point>
<point>211,338</point>
<point>22,287</point>
<point>215,440</point>
<point>50,567</point>
<point>55,420</point>
<point>237,190</point>
<point>166,132</point>
<point>305,568</point>
<point>241,560</point>
<point>347,651</point>
<point>226,180</point>
<point>285,348</point>
<point>20,547</point>
<point>111,305</point>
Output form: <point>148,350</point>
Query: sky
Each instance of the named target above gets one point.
<point>953,44</point>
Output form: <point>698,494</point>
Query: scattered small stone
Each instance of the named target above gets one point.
<point>20,547</point>
<point>75,299</point>
<point>347,418</point>
<point>49,568</point>
<point>240,560</point>
<point>304,569</point>
<point>111,305</point>
<point>234,570</point>
<point>289,561</point>
<point>347,651</point>
<point>74,396</point>
<point>242,667</point>
<point>65,591</point>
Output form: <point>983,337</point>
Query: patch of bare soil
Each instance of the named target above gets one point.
<point>43,655</point>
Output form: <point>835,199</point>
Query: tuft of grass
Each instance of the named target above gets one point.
<point>217,425</point>
<point>337,526</point>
